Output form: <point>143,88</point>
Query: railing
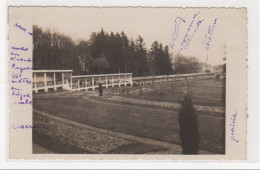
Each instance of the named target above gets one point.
<point>44,80</point>
<point>86,82</point>
<point>149,80</point>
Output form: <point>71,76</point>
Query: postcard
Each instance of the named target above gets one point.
<point>127,83</point>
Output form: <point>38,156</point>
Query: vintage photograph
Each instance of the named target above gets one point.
<point>129,81</point>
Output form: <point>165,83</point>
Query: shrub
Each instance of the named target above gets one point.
<point>188,121</point>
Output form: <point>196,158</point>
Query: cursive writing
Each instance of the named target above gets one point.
<point>190,33</point>
<point>28,126</point>
<point>208,36</point>
<point>22,29</point>
<point>21,69</point>
<point>233,125</point>
<point>18,79</point>
<point>177,22</point>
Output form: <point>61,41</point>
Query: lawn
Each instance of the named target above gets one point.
<point>140,121</point>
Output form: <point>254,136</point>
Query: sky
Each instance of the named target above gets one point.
<point>165,25</point>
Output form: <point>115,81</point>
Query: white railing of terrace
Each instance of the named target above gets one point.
<point>51,79</point>
<point>149,80</point>
<point>86,82</point>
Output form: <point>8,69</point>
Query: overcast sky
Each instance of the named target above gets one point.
<point>152,24</point>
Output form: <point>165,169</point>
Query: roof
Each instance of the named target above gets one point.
<point>51,71</point>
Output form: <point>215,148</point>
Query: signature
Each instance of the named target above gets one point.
<point>177,22</point>
<point>208,36</point>
<point>233,125</point>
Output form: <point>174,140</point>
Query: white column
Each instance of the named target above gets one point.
<point>112,81</point>
<point>54,82</point>
<point>35,85</point>
<point>93,85</point>
<point>131,80</point>
<point>62,78</point>
<point>119,82</point>
<point>71,83</point>
<point>86,84</point>
<point>125,80</point>
<point>78,85</point>
<point>45,83</point>
<point>106,82</point>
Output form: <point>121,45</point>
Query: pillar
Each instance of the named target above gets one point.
<point>54,82</point>
<point>131,80</point>
<point>106,82</point>
<point>86,84</point>
<point>62,78</point>
<point>35,85</point>
<point>112,81</point>
<point>78,85</point>
<point>93,84</point>
<point>71,83</point>
<point>125,80</point>
<point>45,83</point>
<point>119,82</point>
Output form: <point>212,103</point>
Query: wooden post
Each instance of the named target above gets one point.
<point>125,80</point>
<point>45,83</point>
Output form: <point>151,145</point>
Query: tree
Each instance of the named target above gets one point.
<point>188,121</point>
<point>184,65</point>
<point>100,64</point>
<point>159,59</point>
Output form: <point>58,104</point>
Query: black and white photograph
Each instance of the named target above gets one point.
<point>137,81</point>
<point>127,83</point>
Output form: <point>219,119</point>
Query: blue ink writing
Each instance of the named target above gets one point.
<point>14,58</point>
<point>233,125</point>
<point>177,22</point>
<point>19,48</point>
<point>21,69</point>
<point>208,36</point>
<point>22,28</point>
<point>27,126</point>
<point>190,33</point>
<point>17,78</point>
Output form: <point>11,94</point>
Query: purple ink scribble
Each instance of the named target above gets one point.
<point>18,79</point>
<point>208,36</point>
<point>233,125</point>
<point>29,126</point>
<point>23,29</point>
<point>177,22</point>
<point>190,33</point>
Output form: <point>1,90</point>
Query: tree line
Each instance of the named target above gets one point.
<point>106,53</point>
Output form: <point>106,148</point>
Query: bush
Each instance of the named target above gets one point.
<point>188,121</point>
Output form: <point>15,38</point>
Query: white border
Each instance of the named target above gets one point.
<point>253,94</point>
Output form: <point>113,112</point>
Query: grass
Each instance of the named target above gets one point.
<point>139,121</point>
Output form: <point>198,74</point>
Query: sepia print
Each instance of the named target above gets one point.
<point>130,83</point>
